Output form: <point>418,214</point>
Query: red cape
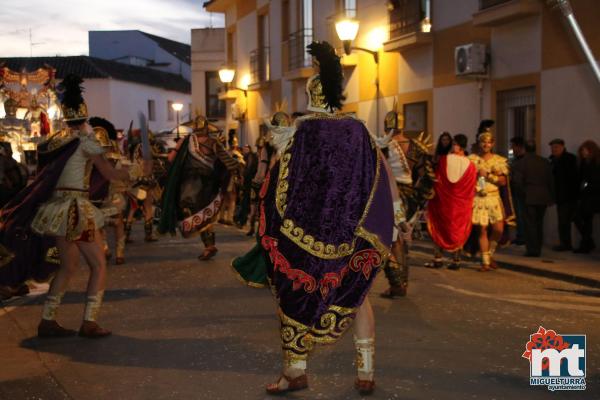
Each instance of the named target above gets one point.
<point>449,212</point>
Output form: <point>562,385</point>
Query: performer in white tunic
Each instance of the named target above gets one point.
<point>72,219</point>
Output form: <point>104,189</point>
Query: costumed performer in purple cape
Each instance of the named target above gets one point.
<point>326,223</point>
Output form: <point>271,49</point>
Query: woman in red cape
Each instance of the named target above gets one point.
<point>450,211</point>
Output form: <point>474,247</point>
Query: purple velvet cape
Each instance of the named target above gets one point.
<point>335,189</point>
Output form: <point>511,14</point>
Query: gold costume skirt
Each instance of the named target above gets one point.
<point>68,214</point>
<point>487,209</point>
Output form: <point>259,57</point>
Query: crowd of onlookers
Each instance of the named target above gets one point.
<point>570,181</point>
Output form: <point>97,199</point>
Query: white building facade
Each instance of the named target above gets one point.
<point>538,84</point>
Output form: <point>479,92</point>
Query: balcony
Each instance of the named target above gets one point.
<point>297,63</point>
<point>406,31</point>
<point>497,12</point>
<point>260,69</point>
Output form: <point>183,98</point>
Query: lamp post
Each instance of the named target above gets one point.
<point>177,107</point>
<point>347,29</point>
<point>226,75</point>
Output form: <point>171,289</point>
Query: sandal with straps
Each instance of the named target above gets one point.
<point>484,268</point>
<point>294,384</point>
<point>364,387</point>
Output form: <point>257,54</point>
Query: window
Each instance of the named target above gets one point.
<point>151,110</point>
<point>169,110</point>
<point>215,108</point>
<point>259,58</point>
<point>405,16</point>
<point>346,8</point>
<point>415,118</point>
<point>516,116</point>
<point>298,57</point>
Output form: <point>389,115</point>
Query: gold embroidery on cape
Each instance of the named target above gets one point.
<point>314,247</point>
<point>299,339</point>
<point>375,242</point>
<point>308,242</point>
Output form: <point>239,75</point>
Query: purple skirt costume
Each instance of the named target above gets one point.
<point>326,224</point>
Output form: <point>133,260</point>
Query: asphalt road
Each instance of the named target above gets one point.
<point>189,330</point>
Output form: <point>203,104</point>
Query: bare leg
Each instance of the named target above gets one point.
<point>364,324</point>
<point>69,263</point>
<point>92,252</point>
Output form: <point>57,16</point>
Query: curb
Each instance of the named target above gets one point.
<point>526,269</point>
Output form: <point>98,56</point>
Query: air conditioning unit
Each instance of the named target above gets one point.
<point>470,59</point>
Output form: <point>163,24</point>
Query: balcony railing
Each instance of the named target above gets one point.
<point>483,4</point>
<point>405,17</point>
<point>295,47</point>
<point>260,66</point>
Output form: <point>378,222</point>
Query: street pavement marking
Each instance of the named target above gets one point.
<point>534,303</point>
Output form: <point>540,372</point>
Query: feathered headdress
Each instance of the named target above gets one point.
<point>71,99</point>
<point>330,73</point>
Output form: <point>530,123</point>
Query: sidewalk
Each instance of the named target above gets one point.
<point>581,269</point>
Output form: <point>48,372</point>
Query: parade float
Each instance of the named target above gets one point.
<point>29,111</point>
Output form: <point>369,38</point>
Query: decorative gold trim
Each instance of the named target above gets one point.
<point>312,246</point>
<point>282,183</point>
<point>308,242</point>
<point>375,242</point>
<point>299,338</point>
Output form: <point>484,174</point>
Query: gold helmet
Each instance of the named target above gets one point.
<point>316,98</point>
<point>394,119</point>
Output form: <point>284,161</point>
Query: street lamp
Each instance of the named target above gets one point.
<point>347,29</point>
<point>177,107</point>
<point>226,76</point>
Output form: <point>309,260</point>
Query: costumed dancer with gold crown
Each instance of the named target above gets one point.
<point>492,207</point>
<point>111,198</point>
<point>197,178</point>
<point>325,228</point>
<point>56,208</point>
<point>411,168</point>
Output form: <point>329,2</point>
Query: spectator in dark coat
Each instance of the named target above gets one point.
<point>532,177</point>
<point>566,186</point>
<point>589,193</point>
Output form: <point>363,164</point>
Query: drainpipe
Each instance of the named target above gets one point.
<point>567,11</point>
